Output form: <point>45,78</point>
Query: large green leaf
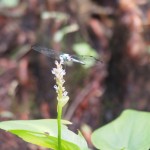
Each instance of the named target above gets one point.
<point>130,131</point>
<point>44,133</point>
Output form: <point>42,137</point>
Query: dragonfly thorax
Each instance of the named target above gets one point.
<point>65,57</point>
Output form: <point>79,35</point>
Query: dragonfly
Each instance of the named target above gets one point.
<point>81,59</point>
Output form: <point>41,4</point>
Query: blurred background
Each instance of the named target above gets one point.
<point>115,31</point>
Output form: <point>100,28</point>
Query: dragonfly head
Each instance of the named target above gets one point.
<point>65,57</point>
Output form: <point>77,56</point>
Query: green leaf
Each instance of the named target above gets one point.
<point>44,133</point>
<point>54,14</point>
<point>59,35</point>
<point>130,131</point>
<point>9,3</point>
<point>85,49</point>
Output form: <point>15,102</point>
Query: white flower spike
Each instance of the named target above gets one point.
<point>59,73</point>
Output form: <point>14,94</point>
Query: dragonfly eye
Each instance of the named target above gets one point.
<point>61,57</point>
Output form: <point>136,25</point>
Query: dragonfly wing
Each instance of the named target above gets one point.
<point>84,59</point>
<point>47,52</point>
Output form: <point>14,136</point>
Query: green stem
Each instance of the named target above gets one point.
<point>59,109</point>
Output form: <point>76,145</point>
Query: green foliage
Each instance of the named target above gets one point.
<point>54,14</point>
<point>130,131</point>
<point>9,3</point>
<point>59,35</point>
<point>85,49</point>
<point>44,133</point>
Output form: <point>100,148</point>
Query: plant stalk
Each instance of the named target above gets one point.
<point>59,109</point>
